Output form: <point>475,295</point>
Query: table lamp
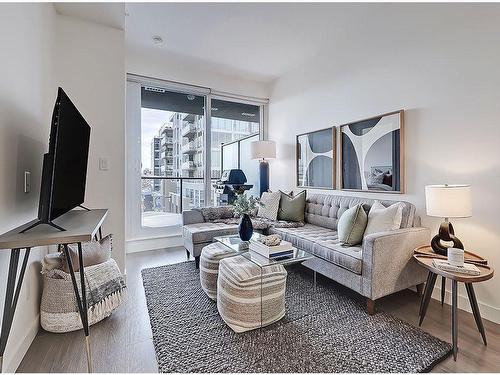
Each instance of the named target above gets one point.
<point>447,201</point>
<point>263,150</point>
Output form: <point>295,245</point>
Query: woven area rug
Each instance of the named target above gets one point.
<point>326,329</point>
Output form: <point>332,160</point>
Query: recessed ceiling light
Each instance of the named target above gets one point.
<point>157,39</point>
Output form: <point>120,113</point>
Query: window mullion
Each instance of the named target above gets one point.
<point>207,157</point>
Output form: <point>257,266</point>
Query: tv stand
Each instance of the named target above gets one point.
<point>40,223</point>
<point>84,208</point>
<point>81,226</point>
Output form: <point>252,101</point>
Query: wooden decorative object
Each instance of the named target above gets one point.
<point>427,251</point>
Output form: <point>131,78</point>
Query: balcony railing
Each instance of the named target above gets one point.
<point>189,147</point>
<point>167,143</point>
<point>171,200</point>
<point>188,165</point>
<point>189,128</point>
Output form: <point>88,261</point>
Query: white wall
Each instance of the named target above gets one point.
<point>27,94</point>
<point>447,80</point>
<point>90,66</point>
<point>157,63</point>
<point>41,50</point>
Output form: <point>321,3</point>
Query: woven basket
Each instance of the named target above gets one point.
<point>105,289</point>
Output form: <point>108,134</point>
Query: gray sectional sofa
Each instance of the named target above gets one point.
<point>380,266</point>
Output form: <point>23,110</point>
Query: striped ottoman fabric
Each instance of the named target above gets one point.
<point>209,266</point>
<point>239,293</point>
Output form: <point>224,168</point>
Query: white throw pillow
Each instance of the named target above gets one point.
<point>382,219</point>
<point>271,204</point>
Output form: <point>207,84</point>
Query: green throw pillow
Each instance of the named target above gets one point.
<point>352,225</point>
<point>292,208</point>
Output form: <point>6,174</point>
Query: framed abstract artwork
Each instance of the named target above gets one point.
<point>371,154</point>
<point>316,159</point>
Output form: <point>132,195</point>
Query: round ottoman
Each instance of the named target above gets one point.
<point>209,266</point>
<point>239,288</point>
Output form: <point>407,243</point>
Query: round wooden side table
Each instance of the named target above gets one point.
<point>424,256</point>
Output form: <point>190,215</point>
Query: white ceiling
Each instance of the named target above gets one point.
<point>262,41</point>
<point>265,40</point>
<point>258,40</point>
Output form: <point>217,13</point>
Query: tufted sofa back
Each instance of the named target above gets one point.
<point>325,209</point>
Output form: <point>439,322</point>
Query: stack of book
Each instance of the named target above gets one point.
<point>467,268</point>
<point>285,248</point>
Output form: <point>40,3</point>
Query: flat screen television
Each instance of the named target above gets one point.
<point>64,170</point>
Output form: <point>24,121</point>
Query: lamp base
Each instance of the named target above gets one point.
<point>446,233</point>
<point>264,176</point>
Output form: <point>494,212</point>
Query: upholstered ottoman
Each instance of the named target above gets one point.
<point>239,289</point>
<point>210,257</point>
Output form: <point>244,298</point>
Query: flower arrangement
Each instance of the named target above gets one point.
<point>246,205</point>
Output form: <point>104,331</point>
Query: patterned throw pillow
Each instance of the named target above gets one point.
<point>215,213</point>
<point>382,219</point>
<point>351,226</point>
<point>271,203</point>
<point>375,178</point>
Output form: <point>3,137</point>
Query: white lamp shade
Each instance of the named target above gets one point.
<point>263,149</point>
<point>448,200</point>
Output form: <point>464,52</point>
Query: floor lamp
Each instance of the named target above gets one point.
<point>263,150</point>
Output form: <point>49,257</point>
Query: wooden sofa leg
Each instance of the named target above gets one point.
<point>188,255</point>
<point>197,262</point>
<point>370,306</point>
<point>420,288</point>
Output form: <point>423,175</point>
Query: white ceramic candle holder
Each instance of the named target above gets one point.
<point>456,256</point>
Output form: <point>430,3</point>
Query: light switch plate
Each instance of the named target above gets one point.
<point>103,164</point>
<point>27,181</point>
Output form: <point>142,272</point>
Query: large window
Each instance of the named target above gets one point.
<point>177,156</point>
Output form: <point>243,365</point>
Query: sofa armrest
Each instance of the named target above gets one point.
<point>388,265</point>
<point>192,217</point>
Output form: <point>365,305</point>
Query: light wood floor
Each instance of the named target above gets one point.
<point>123,343</point>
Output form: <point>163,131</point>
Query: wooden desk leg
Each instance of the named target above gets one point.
<point>12,296</point>
<point>429,287</point>
<point>81,301</point>
<point>443,289</point>
<point>422,299</point>
<point>475,311</point>
<point>454,318</point>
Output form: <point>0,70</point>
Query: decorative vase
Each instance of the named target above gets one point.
<point>245,228</point>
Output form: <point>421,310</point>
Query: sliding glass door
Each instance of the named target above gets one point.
<point>175,135</point>
<point>172,155</point>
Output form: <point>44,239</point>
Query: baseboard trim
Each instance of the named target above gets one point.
<point>11,364</point>
<point>488,312</point>
<point>145,244</point>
